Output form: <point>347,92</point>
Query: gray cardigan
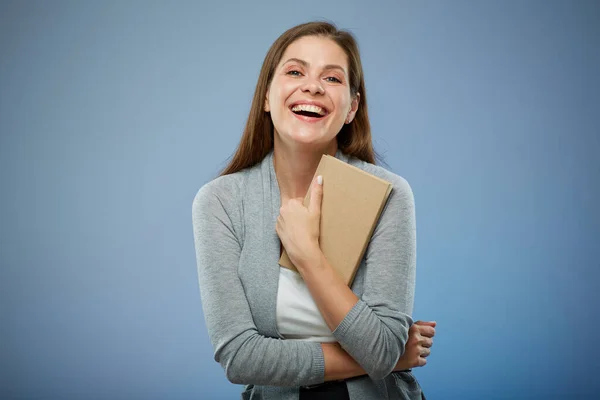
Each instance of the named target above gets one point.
<point>237,252</point>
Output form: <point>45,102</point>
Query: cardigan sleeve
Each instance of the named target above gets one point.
<point>246,356</point>
<point>375,330</point>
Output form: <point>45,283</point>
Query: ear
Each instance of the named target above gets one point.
<point>267,107</point>
<point>353,108</point>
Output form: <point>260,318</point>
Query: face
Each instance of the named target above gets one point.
<point>309,96</point>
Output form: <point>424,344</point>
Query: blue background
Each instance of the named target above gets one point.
<point>113,114</point>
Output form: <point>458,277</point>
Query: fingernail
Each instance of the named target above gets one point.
<point>320,180</point>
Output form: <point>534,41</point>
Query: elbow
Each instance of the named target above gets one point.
<point>379,372</point>
<point>239,371</point>
<point>237,374</point>
<point>234,359</point>
<point>386,360</point>
<point>378,375</point>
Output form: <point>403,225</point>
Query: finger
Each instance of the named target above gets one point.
<point>425,352</point>
<point>426,331</point>
<point>426,342</point>
<point>421,362</point>
<point>429,323</point>
<point>316,195</point>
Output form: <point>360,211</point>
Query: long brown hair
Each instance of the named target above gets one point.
<point>353,139</point>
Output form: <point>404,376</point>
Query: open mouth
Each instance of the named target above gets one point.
<point>309,110</point>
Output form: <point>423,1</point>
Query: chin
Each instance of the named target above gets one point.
<point>307,136</point>
<point>307,140</point>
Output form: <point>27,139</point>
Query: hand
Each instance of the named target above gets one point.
<point>298,227</point>
<point>418,346</point>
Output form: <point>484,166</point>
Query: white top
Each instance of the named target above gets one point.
<point>298,317</point>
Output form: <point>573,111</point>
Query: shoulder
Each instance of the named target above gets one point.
<point>401,189</point>
<point>224,192</point>
<point>222,187</point>
<point>395,230</point>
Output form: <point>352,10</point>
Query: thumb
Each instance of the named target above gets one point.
<point>316,195</point>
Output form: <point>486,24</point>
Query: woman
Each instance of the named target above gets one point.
<point>306,335</point>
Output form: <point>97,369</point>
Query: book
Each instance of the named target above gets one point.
<point>352,203</point>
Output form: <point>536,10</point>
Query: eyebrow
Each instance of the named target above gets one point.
<point>306,64</point>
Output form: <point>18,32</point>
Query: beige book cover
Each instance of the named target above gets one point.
<point>352,203</point>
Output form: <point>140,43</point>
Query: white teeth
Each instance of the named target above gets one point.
<point>309,108</point>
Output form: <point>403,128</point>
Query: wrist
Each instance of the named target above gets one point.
<point>402,364</point>
<point>310,259</point>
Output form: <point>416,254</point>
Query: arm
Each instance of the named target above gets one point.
<point>245,354</point>
<point>374,329</point>
<point>339,364</point>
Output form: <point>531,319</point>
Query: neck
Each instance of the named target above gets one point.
<point>296,167</point>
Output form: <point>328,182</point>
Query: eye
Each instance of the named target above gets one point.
<point>333,79</point>
<point>294,72</point>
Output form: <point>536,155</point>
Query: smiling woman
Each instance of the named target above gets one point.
<point>312,82</point>
<point>288,335</point>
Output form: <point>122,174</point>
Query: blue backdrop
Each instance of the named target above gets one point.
<point>113,114</point>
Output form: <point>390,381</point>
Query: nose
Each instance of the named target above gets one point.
<point>313,86</point>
